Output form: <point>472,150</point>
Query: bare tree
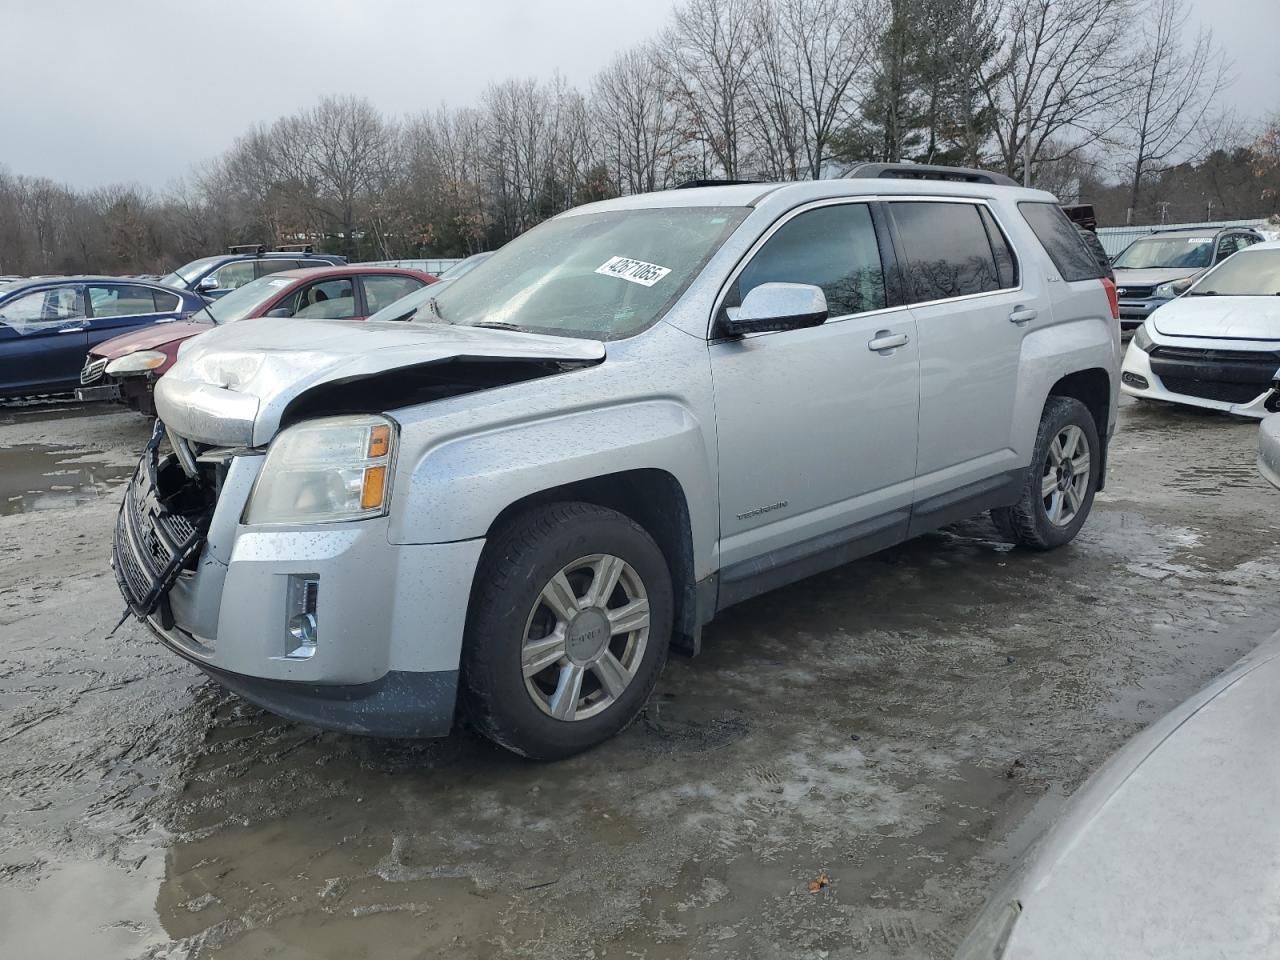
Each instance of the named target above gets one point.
<point>711,54</point>
<point>1062,78</point>
<point>1176,91</point>
<point>638,120</point>
<point>811,55</point>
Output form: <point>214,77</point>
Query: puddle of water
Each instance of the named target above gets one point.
<point>38,477</point>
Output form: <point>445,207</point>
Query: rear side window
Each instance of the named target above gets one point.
<point>121,300</point>
<point>165,302</point>
<point>948,252</point>
<point>276,265</point>
<point>832,247</point>
<point>1060,240</point>
<point>1006,262</point>
<point>383,291</point>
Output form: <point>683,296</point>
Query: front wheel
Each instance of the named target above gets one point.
<point>1058,492</point>
<point>568,630</point>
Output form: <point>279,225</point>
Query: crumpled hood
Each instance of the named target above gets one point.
<point>1152,278</point>
<point>233,384</point>
<point>149,338</point>
<point>1220,318</point>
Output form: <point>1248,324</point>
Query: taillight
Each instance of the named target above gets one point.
<point>1112,298</point>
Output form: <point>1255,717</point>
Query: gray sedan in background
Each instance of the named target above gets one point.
<point>1170,851</point>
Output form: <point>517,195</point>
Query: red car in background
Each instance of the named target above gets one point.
<point>125,368</point>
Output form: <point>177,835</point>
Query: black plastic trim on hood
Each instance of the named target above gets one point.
<point>421,383</point>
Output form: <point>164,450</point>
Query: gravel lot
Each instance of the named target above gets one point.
<point>902,727</point>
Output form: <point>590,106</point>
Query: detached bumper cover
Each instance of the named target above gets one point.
<point>1236,382</point>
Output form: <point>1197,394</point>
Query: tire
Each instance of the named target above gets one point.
<point>563,633</point>
<point>1031,521</point>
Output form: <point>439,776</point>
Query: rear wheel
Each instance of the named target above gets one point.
<point>1058,492</point>
<point>568,630</point>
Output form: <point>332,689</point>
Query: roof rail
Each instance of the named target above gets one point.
<point>691,184</point>
<point>929,171</point>
<point>294,248</point>
<point>255,248</point>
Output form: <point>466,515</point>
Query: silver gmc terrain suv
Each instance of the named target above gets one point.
<point>628,419</point>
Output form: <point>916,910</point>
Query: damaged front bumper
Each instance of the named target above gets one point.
<point>389,618</point>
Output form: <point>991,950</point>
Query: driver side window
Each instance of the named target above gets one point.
<point>832,247</point>
<point>234,275</point>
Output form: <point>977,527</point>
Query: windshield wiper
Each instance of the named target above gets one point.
<point>495,325</point>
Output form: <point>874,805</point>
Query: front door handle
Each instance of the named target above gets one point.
<point>1023,315</point>
<point>80,328</point>
<point>884,340</point>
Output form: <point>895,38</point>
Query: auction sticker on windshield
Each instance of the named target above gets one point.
<point>637,271</point>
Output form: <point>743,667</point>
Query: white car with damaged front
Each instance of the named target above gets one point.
<point>1218,345</point>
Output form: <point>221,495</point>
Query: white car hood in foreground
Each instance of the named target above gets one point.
<point>231,385</point>
<point>1172,850</point>
<point>1220,318</point>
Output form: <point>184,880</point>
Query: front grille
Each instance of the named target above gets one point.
<point>159,531</point>
<point>93,369</point>
<point>1129,292</point>
<point>1213,389</point>
<point>1228,376</point>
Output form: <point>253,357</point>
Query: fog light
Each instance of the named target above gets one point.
<point>1137,381</point>
<point>301,626</point>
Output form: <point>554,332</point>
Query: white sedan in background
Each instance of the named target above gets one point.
<point>1218,345</point>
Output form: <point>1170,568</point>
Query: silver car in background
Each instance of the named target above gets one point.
<point>1170,851</point>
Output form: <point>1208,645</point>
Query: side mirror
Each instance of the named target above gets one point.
<point>279,312</point>
<point>777,306</point>
<point>1179,287</point>
<point>207,283</point>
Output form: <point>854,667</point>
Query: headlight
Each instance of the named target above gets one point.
<point>1142,340</point>
<point>135,363</point>
<point>1165,291</point>
<point>326,470</point>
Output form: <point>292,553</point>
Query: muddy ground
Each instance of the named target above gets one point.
<point>904,726</point>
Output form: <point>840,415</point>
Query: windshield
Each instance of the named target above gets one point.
<point>1167,253</point>
<point>244,301</point>
<point>1249,273</point>
<point>185,275</point>
<point>596,275</point>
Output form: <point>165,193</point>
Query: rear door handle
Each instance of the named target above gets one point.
<point>77,329</point>
<point>1022,315</point>
<point>884,340</point>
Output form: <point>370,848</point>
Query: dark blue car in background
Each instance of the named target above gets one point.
<point>213,277</point>
<point>48,325</point>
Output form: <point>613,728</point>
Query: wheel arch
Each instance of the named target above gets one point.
<point>1093,388</point>
<point>655,499</point>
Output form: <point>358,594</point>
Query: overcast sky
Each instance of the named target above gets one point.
<point>93,93</point>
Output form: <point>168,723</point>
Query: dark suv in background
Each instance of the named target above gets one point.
<point>1154,269</point>
<point>213,277</point>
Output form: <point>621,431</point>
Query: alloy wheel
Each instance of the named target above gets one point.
<point>1065,481</point>
<point>585,637</point>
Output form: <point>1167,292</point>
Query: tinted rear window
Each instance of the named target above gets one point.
<point>1060,240</point>
<point>948,252</point>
